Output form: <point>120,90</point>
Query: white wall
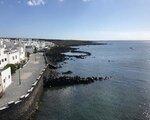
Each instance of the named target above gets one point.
<point>1,86</point>
<point>3,58</point>
<point>6,78</point>
<point>13,57</point>
<point>22,54</point>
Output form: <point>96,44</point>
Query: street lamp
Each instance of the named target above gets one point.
<point>35,51</point>
<point>19,70</point>
<point>35,57</point>
<point>19,76</point>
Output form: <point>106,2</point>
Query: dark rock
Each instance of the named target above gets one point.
<point>52,66</point>
<point>68,72</point>
<point>67,80</point>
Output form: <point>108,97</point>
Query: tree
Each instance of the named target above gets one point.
<point>35,50</point>
<point>12,66</point>
<point>28,55</point>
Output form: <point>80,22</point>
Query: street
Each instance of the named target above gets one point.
<point>28,75</point>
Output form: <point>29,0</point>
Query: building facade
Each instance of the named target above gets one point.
<point>5,79</point>
<point>3,58</point>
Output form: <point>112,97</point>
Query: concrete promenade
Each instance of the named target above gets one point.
<point>28,74</point>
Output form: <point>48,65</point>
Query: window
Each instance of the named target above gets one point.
<point>9,76</point>
<point>13,58</point>
<point>5,59</point>
<point>4,80</point>
<point>2,60</point>
<point>16,56</point>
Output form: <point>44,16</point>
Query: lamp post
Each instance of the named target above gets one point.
<point>19,70</point>
<point>19,76</point>
<point>35,57</point>
<point>35,51</point>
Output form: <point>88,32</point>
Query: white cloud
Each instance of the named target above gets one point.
<point>42,2</point>
<point>35,2</point>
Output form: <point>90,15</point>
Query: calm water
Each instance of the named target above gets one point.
<point>70,53</point>
<point>125,97</point>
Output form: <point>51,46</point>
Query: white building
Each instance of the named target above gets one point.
<point>14,51</point>
<point>3,58</point>
<point>22,53</point>
<point>10,57</point>
<point>5,79</point>
<point>11,53</point>
<point>1,88</point>
<point>13,57</point>
<point>38,44</point>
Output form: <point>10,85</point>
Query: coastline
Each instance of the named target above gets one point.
<point>57,55</point>
<point>54,79</point>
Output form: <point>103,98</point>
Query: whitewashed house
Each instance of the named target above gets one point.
<point>11,52</point>
<point>22,53</point>
<point>1,88</point>
<point>13,57</point>
<point>3,58</point>
<point>30,44</point>
<point>15,52</point>
<point>5,79</point>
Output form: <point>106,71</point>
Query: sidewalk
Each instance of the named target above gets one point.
<point>28,74</point>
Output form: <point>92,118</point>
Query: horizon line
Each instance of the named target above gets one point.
<point>73,39</point>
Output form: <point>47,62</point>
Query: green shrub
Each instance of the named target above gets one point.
<point>12,66</point>
<point>28,55</point>
<point>35,50</point>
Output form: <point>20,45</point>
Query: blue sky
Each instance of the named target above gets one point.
<point>76,19</point>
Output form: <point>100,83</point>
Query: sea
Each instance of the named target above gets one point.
<point>126,96</point>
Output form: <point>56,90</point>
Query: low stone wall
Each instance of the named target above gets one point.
<point>27,104</point>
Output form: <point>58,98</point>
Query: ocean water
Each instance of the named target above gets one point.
<point>125,97</point>
<point>76,54</point>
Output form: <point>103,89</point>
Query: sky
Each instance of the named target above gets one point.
<point>76,19</point>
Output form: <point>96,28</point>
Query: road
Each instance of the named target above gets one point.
<point>28,74</point>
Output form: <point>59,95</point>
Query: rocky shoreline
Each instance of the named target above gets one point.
<point>68,80</point>
<point>55,56</point>
<point>66,73</point>
<point>82,55</point>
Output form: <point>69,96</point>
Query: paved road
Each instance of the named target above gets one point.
<point>28,74</point>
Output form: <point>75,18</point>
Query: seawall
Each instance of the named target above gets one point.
<point>27,104</point>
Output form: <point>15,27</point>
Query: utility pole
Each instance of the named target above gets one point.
<point>35,51</point>
<point>19,70</point>
<point>19,75</point>
<point>35,57</point>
